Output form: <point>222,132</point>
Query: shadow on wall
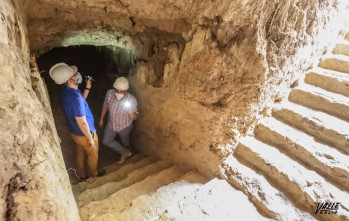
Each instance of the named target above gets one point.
<point>104,65</point>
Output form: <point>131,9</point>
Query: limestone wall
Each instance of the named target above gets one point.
<point>206,70</point>
<point>34,184</point>
<point>232,70</point>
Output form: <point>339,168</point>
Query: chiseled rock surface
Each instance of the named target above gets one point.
<point>33,182</point>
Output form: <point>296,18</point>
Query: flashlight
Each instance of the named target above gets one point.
<point>89,78</point>
<point>127,104</point>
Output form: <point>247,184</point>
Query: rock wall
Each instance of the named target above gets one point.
<point>207,70</point>
<point>242,61</point>
<point>34,183</point>
<point>230,73</point>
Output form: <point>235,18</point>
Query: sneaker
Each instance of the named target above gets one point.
<point>100,173</point>
<point>124,157</point>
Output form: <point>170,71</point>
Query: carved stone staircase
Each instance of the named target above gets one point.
<point>299,156</point>
<point>148,189</point>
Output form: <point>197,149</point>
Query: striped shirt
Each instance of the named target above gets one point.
<point>119,117</point>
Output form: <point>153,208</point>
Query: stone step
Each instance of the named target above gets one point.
<point>103,191</point>
<point>194,176</point>
<point>112,176</point>
<point>347,36</point>
<point>335,62</point>
<point>146,207</point>
<point>216,200</point>
<point>319,99</point>
<point>123,198</point>
<point>269,201</point>
<point>115,166</point>
<point>323,127</point>
<point>336,82</point>
<point>327,161</point>
<point>304,187</point>
<point>342,48</point>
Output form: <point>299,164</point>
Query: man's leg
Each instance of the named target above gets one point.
<point>92,156</point>
<point>125,136</point>
<point>108,140</point>
<point>80,155</point>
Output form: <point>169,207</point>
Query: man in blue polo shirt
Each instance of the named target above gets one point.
<point>79,118</point>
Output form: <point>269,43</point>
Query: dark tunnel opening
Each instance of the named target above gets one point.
<point>104,64</point>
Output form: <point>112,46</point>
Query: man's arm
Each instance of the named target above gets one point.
<point>87,89</point>
<point>133,113</point>
<point>83,125</point>
<point>104,111</point>
<point>85,94</point>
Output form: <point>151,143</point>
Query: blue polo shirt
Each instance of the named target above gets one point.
<point>75,105</point>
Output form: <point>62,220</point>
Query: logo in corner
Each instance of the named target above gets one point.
<point>326,207</point>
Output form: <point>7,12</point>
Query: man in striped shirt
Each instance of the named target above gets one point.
<point>122,108</point>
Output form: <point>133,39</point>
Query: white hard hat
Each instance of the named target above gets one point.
<point>61,72</point>
<point>121,84</point>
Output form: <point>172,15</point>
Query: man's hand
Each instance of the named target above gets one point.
<point>100,123</point>
<point>104,111</point>
<point>83,125</point>
<point>91,142</point>
<point>133,114</point>
<point>88,83</point>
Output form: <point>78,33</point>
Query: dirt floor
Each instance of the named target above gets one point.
<point>91,61</point>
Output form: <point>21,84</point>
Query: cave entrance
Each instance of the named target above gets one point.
<point>104,64</point>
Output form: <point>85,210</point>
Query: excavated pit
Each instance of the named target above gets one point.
<point>204,72</point>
